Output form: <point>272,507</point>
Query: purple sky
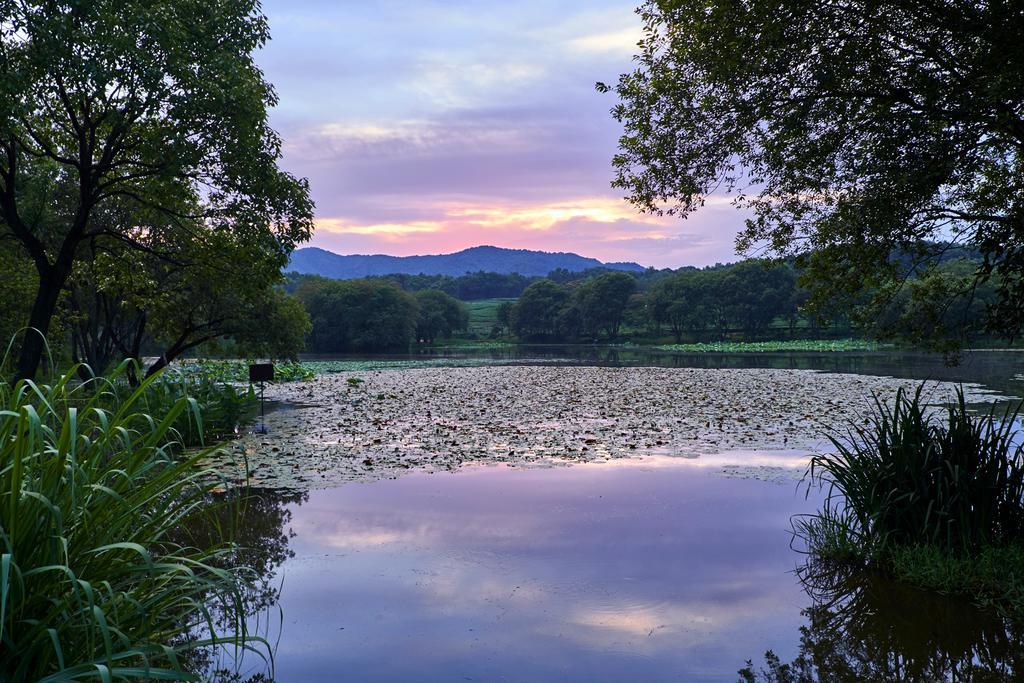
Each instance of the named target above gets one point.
<point>428,127</point>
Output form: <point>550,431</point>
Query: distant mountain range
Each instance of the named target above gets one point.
<point>314,261</point>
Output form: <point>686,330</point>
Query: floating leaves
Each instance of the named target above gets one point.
<point>815,345</point>
<point>440,418</point>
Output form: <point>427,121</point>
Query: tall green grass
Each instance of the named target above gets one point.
<point>93,584</point>
<point>907,479</point>
<point>220,409</point>
<point>238,370</point>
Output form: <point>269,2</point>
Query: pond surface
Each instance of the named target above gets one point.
<point>654,568</point>
<point>642,569</point>
<point>997,369</point>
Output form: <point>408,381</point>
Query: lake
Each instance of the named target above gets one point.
<point>652,567</point>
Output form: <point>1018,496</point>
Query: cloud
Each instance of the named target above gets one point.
<point>602,227</point>
<point>455,84</point>
<point>431,126</point>
<point>621,42</point>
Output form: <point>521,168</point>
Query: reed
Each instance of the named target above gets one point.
<point>92,583</point>
<point>907,478</point>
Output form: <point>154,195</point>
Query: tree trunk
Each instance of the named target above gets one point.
<point>50,284</point>
<point>176,349</point>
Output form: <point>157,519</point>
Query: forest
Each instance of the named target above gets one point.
<point>747,301</point>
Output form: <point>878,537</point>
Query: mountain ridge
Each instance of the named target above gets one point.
<point>528,262</point>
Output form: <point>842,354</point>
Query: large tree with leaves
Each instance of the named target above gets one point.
<point>869,136</point>
<point>202,287</point>
<point>150,105</point>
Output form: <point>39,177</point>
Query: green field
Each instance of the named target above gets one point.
<point>483,315</point>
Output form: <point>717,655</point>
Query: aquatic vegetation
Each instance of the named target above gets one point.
<point>221,409</point>
<point>991,577</point>
<point>439,418</point>
<point>905,479</point>
<point>937,503</point>
<point>93,493</point>
<point>812,345</point>
<point>238,370</point>
<point>320,367</point>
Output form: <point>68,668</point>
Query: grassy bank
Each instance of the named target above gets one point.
<point>483,316</point>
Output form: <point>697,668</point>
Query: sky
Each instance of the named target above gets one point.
<point>430,126</point>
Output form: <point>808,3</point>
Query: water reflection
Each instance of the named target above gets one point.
<point>257,523</point>
<point>862,627</point>
<point>595,572</point>
<point>585,573</point>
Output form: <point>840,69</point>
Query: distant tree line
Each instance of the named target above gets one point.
<point>749,300</point>
<point>595,307</point>
<point>482,285</point>
<point>752,300</point>
<point>375,314</point>
<point>746,297</point>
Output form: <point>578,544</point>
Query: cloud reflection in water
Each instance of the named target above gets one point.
<point>591,572</point>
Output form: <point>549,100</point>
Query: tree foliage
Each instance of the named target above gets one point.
<point>865,136</point>
<point>602,301</point>
<point>535,314</point>
<point>277,329</point>
<point>357,315</point>
<point>201,288</point>
<point>439,315</point>
<point>118,116</point>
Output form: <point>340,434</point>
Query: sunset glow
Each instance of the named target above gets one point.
<point>432,127</point>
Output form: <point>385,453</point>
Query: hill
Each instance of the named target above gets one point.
<point>315,261</point>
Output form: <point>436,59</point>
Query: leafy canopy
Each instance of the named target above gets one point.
<point>440,315</point>
<point>112,111</point>
<point>357,315</point>
<point>854,131</point>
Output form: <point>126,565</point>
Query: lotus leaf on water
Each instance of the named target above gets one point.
<point>440,418</point>
<point>813,345</point>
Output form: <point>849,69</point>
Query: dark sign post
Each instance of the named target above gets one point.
<point>261,372</point>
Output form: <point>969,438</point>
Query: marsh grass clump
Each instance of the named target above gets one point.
<point>220,408</point>
<point>238,370</point>
<point>935,499</point>
<point>907,479</point>
<point>94,490</point>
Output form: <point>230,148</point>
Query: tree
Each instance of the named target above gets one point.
<point>188,289</point>
<point>277,330</point>
<point>150,105</point>
<point>602,302</point>
<point>504,316</point>
<point>756,293</point>
<point>439,315</point>
<point>17,285</point>
<point>684,302</point>
<point>938,305</point>
<point>536,313</point>
<point>357,315</point>
<point>873,134</point>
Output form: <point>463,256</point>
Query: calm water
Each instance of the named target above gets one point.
<point>656,569</point>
